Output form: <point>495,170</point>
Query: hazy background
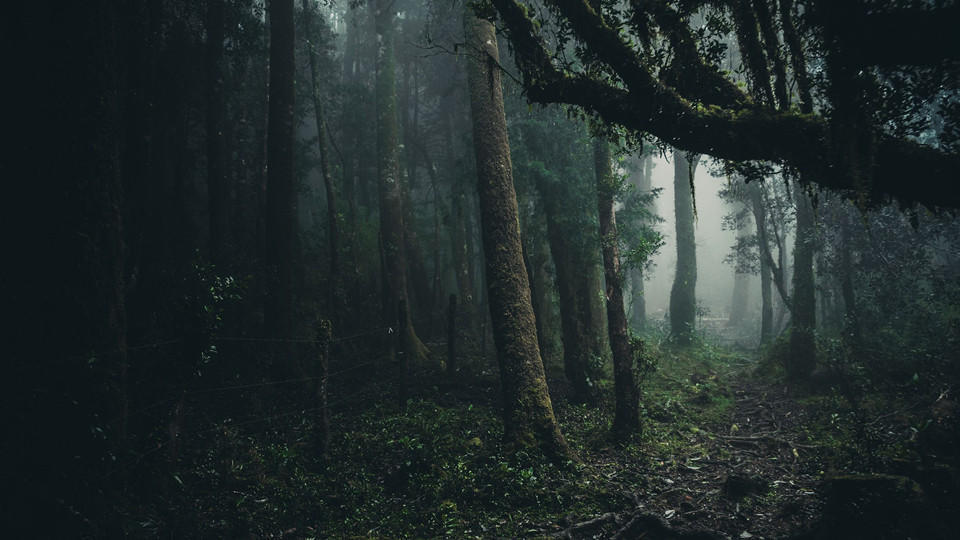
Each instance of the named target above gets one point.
<point>714,277</point>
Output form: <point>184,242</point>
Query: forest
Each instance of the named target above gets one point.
<point>668,269</point>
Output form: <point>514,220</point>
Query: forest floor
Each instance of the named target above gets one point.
<point>727,451</point>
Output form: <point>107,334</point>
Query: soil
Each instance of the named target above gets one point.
<point>757,479</point>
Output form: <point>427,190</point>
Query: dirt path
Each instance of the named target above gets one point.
<point>756,477</point>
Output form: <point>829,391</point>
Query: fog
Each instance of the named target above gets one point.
<point>714,276</point>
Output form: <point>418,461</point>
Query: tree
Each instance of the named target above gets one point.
<point>395,298</point>
<point>769,211</point>
<point>741,278</point>
<point>333,226</point>
<point>217,189</point>
<point>280,221</point>
<point>683,300</point>
<point>693,105</point>
<point>642,202</point>
<point>553,154</point>
<point>626,418</point>
<point>802,359</point>
<point>528,412</point>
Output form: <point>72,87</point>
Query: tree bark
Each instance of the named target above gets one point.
<point>802,358</point>
<point>419,282</point>
<point>572,288</point>
<point>626,418</point>
<point>393,245</point>
<point>741,281</point>
<point>333,227</point>
<point>683,301</point>
<point>851,316</point>
<point>528,412</point>
<point>766,294</point>
<point>218,192</point>
<point>638,302</point>
<point>280,220</point>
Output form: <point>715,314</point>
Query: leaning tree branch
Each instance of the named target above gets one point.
<point>906,170</point>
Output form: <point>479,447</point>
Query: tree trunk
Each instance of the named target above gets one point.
<point>528,412</point>
<point>802,359</point>
<point>851,317</point>
<point>218,192</point>
<point>574,309</point>
<point>766,304</point>
<point>626,418</point>
<point>638,302</point>
<point>459,243</point>
<point>390,191</point>
<point>280,215</point>
<point>537,257</point>
<point>766,263</point>
<point>333,228</point>
<point>683,301</point>
<point>741,281</point>
<point>350,131</point>
<point>419,281</point>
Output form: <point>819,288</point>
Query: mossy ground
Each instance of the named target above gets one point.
<point>437,467</point>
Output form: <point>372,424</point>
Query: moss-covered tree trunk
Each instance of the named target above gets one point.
<point>396,307</point>
<point>802,359</point>
<point>626,418</point>
<point>528,412</point>
<point>683,301</point>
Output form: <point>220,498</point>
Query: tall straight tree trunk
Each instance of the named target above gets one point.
<point>638,303</point>
<point>218,192</point>
<point>683,301</point>
<point>280,223</point>
<point>741,281</point>
<point>396,303</point>
<point>802,358</point>
<point>851,316</point>
<point>419,282</point>
<point>537,255</point>
<point>626,419</point>
<point>766,304</point>
<point>333,227</point>
<point>766,262</point>
<point>527,410</point>
<point>349,130</point>
<point>572,285</point>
